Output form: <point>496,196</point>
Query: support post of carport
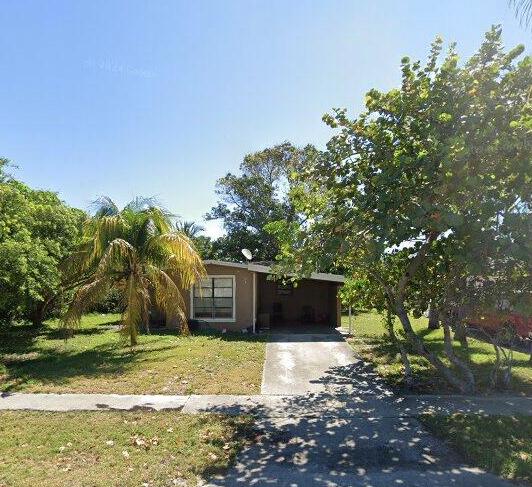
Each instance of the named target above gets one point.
<point>254,319</point>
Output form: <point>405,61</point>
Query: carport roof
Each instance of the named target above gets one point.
<point>265,269</point>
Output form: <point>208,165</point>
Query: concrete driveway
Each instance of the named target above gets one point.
<point>302,363</point>
<point>342,427</point>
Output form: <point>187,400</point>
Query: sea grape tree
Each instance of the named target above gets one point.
<point>427,192</point>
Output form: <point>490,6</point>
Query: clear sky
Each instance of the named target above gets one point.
<point>154,98</point>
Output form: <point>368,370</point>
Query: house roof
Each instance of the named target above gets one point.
<point>265,269</point>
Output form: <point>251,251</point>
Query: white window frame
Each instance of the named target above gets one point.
<point>216,320</point>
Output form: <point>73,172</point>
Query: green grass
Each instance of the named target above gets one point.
<point>98,359</point>
<point>116,448</point>
<point>500,444</point>
<point>370,342</point>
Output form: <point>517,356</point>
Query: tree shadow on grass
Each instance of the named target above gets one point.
<point>28,362</point>
<point>65,334</point>
<point>56,367</point>
<point>228,336</point>
<point>22,337</point>
<point>381,352</point>
<point>18,338</point>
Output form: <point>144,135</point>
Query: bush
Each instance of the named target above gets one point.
<point>112,303</point>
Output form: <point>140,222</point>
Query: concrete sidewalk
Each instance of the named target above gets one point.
<point>319,439</point>
<point>338,405</point>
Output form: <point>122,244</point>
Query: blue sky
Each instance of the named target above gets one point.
<point>128,98</point>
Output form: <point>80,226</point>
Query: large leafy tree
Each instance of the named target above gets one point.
<point>427,193</point>
<point>137,252</point>
<point>255,197</point>
<point>37,232</point>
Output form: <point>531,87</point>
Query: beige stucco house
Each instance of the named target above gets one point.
<point>238,296</point>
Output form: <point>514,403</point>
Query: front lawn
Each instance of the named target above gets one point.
<point>500,444</point>
<point>370,341</point>
<point>98,359</point>
<point>109,448</point>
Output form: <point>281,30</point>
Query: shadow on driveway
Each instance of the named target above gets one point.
<point>351,432</point>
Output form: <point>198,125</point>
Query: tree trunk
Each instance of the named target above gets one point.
<point>434,319</point>
<point>41,310</point>
<point>37,314</point>
<point>421,349</point>
<point>409,380</point>
<point>455,360</point>
<point>397,298</point>
<point>460,334</point>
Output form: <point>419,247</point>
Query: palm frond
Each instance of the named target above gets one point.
<point>102,231</point>
<point>118,256</point>
<point>142,203</point>
<point>168,298</point>
<point>86,296</point>
<point>148,224</point>
<point>104,206</point>
<point>136,251</point>
<point>523,10</point>
<point>189,228</point>
<point>78,261</point>
<point>137,299</point>
<point>160,218</point>
<point>184,263</point>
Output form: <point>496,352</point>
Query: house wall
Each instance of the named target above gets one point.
<point>243,297</point>
<point>320,295</point>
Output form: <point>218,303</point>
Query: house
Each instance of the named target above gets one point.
<point>238,296</point>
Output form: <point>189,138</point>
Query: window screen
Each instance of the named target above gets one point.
<point>213,298</point>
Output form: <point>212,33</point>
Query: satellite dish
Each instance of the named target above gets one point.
<point>247,254</point>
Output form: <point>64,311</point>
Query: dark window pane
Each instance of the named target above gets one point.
<point>202,313</point>
<point>202,302</point>
<point>223,302</point>
<point>213,298</point>
<point>223,313</point>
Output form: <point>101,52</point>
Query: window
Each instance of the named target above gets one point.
<point>213,298</point>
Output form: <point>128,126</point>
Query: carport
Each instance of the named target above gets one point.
<point>235,296</point>
<point>308,306</point>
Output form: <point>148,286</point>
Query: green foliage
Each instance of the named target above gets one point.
<point>37,231</point>
<point>426,195</point>
<point>499,444</point>
<point>189,228</point>
<point>203,244</point>
<point>256,197</point>
<point>96,360</point>
<point>111,303</point>
<point>126,448</point>
<point>372,342</point>
<point>137,253</point>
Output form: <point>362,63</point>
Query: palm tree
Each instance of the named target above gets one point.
<point>523,10</point>
<point>190,229</point>
<point>136,251</point>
